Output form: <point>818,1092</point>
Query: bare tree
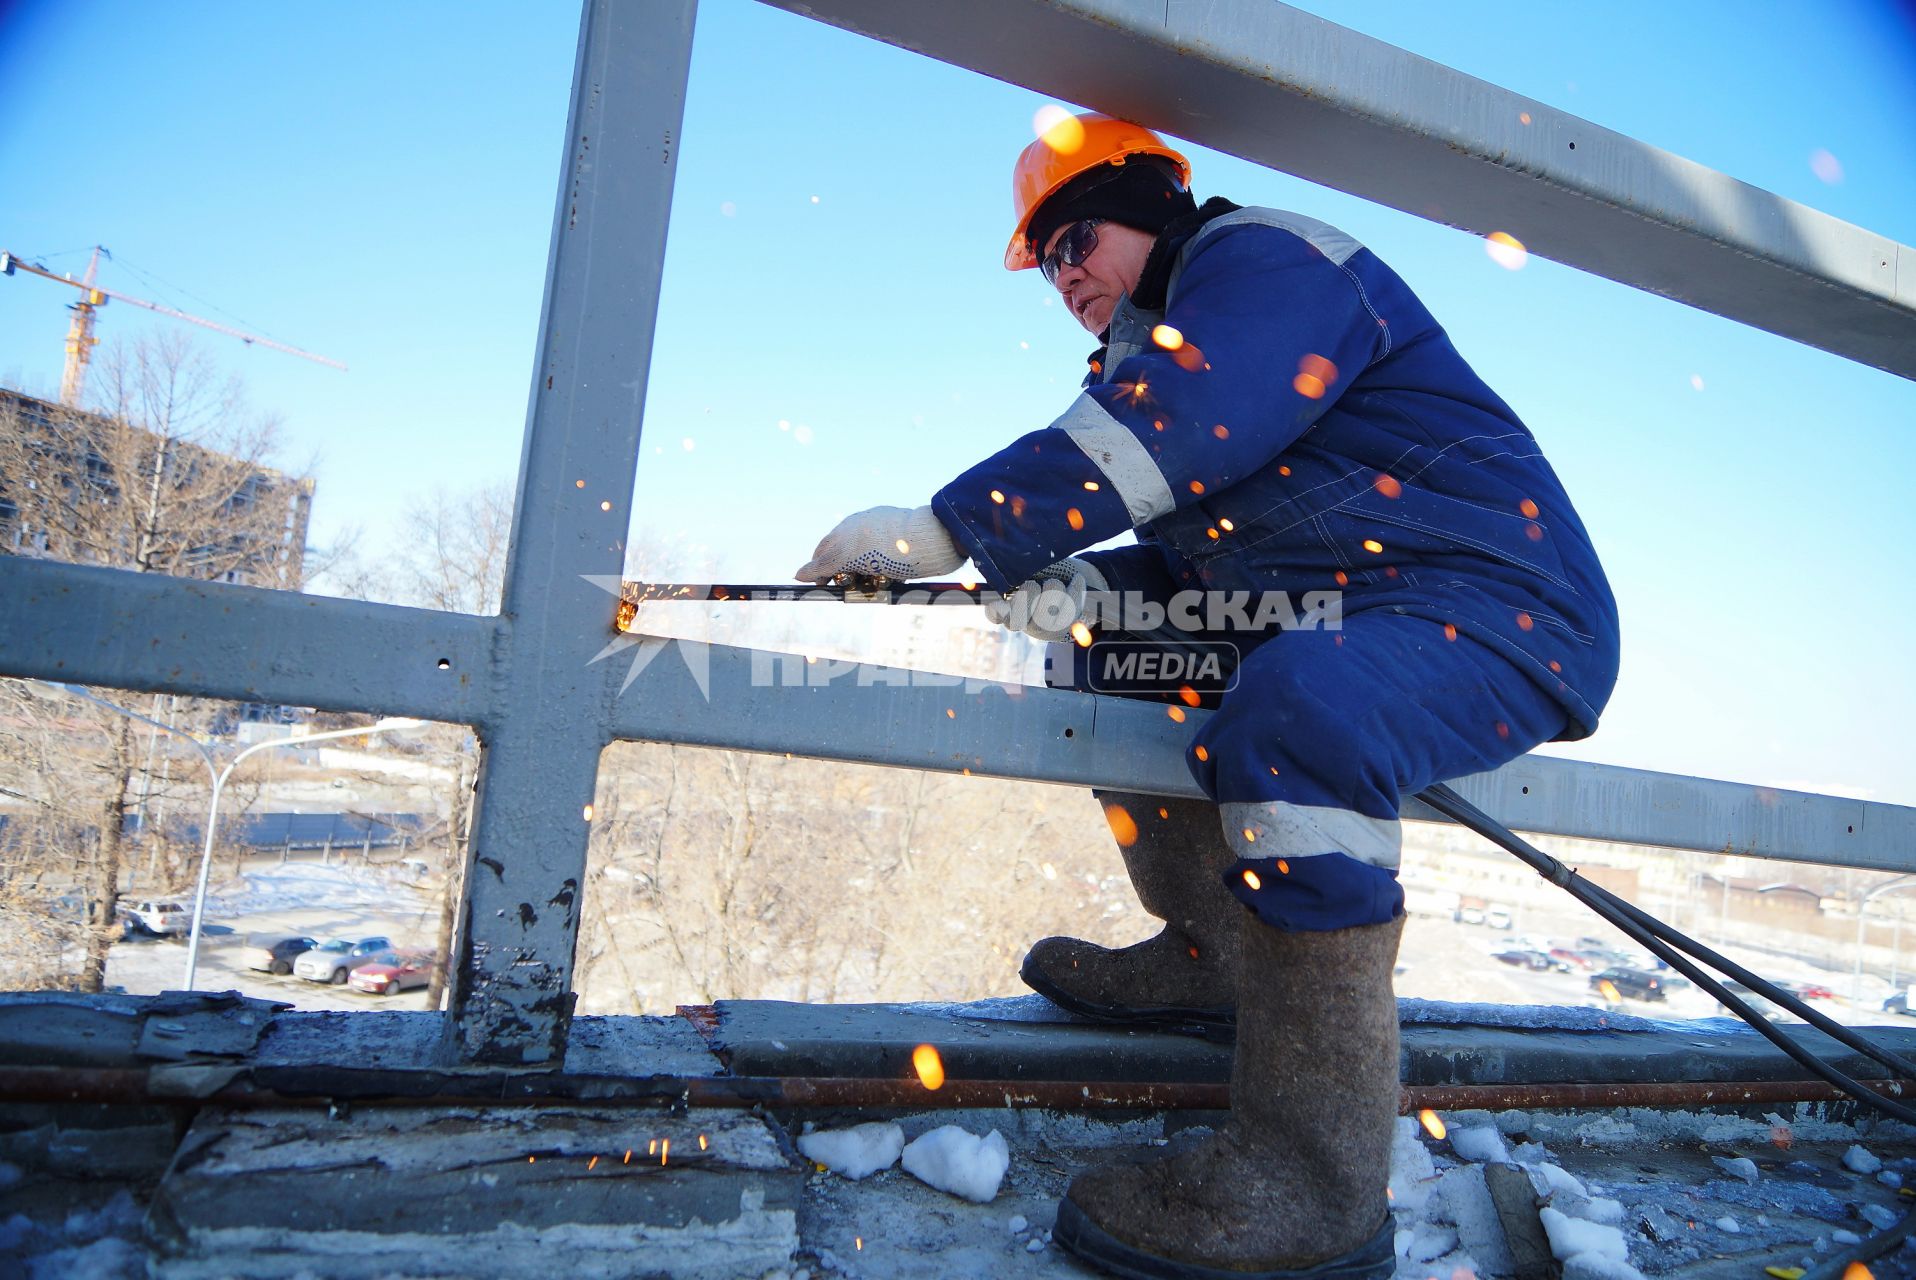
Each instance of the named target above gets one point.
<point>169,475</point>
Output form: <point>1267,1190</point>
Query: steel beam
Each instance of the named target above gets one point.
<point>511,989</point>
<point>719,696</point>
<point>92,626</point>
<point>1294,92</point>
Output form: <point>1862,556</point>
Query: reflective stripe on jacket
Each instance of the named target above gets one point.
<point>1303,424</point>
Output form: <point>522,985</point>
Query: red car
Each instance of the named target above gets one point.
<point>1581,959</point>
<point>391,972</point>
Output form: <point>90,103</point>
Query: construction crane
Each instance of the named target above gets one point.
<point>80,339</point>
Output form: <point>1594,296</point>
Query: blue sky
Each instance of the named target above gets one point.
<point>376,184</point>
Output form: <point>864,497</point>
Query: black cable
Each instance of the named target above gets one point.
<point>1626,918</point>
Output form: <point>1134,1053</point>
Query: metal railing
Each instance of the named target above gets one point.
<point>1262,81</point>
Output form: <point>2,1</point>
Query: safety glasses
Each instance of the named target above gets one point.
<point>1078,242</point>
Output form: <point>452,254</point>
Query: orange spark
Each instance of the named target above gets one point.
<point>1373,546</point>
<point>1609,990</point>
<point>1388,486</point>
<point>1343,579</point>
<point>1197,486</point>
<point>592,1164</point>
<point>1523,117</point>
<point>665,1149</point>
<point>1432,1122</point>
<point>1506,250</point>
<point>1450,631</point>
<point>1202,754</point>
<point>1082,634</point>
<point>1167,337</point>
<point>1212,534</point>
<point>1308,386</point>
<point>1524,622</point>
<point>588,813</point>
<point>1250,879</point>
<point>997,496</point>
<point>858,1242</point>
<point>1176,713</point>
<point>1533,531</point>
<point>1221,432</point>
<point>1124,828</point>
<point>1091,486</point>
<point>1017,505</point>
<point>1250,835</point>
<point>929,1066</point>
<point>1189,697</point>
<point>605,506</point>
<point>1074,518</point>
<point>1503,730</point>
<point>950,713</point>
<point>1528,507</point>
<point>1857,1271</point>
<point>1556,666</point>
<point>702,1143</point>
<point>1283,471</point>
<point>1283,867</point>
<point>628,1156</point>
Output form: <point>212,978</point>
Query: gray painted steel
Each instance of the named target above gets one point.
<point>511,986</point>
<point>888,715</point>
<point>1295,92</point>
<point>108,627</point>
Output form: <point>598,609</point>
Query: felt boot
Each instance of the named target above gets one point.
<point>1295,1184</point>
<point>1188,972</point>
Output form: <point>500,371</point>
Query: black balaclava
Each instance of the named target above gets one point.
<point>1143,193</point>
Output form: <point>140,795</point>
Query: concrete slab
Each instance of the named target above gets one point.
<point>499,1191</point>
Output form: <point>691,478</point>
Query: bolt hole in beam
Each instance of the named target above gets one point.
<point>445,664</point>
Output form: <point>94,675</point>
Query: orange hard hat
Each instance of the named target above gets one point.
<point>1074,146</point>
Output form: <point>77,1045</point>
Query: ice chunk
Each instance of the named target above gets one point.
<point>960,1163</point>
<point>1846,1237</point>
<point>1561,1179</point>
<point>1018,1223</point>
<point>1890,1178</point>
<point>1739,1167</point>
<point>1858,1160</point>
<point>1879,1216</point>
<point>857,1152</point>
<point>1033,1245</point>
<point>1463,1200</point>
<point>1513,1122</point>
<point>1482,1145</point>
<point>1531,1153</point>
<point>1572,1236</point>
<point>1727,1223</point>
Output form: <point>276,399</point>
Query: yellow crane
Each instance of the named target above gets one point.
<point>80,339</point>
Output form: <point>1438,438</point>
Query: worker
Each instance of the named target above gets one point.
<point>1274,413</point>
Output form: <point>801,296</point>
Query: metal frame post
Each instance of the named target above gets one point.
<point>510,997</point>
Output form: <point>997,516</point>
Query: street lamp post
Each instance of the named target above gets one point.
<point>1862,925</point>
<point>219,777</point>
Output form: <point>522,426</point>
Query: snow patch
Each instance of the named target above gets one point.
<point>1483,1145</point>
<point>1727,1223</point>
<point>1739,1167</point>
<point>857,1152</point>
<point>1412,1172</point>
<point>1570,1237</point>
<point>1463,1200</point>
<point>1879,1216</point>
<point>960,1163</point>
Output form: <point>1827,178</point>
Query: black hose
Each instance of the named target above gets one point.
<point>1652,933</point>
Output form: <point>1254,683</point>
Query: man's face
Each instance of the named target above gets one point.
<point>1091,290</point>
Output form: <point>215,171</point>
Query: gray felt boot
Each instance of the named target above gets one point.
<point>1188,972</point>
<point>1295,1184</point>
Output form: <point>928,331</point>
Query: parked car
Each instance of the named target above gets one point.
<point>276,955</point>
<point>1633,984</point>
<point>1524,958</point>
<point>391,972</point>
<point>333,961</point>
<point>1899,1003</point>
<point>1498,917</point>
<point>1581,959</point>
<point>1471,915</point>
<point>157,918</point>
<point>1808,990</point>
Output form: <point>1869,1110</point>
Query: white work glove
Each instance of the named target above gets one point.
<point>1046,605</point>
<point>885,542</point>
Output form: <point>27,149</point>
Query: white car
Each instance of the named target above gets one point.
<point>159,918</point>
<point>334,960</point>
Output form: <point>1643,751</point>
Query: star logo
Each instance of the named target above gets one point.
<point>695,654</point>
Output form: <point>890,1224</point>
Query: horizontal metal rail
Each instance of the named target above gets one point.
<point>1298,93</point>
<point>721,696</point>
<point>86,625</point>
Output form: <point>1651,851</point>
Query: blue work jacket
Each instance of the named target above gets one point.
<point>1295,419</point>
